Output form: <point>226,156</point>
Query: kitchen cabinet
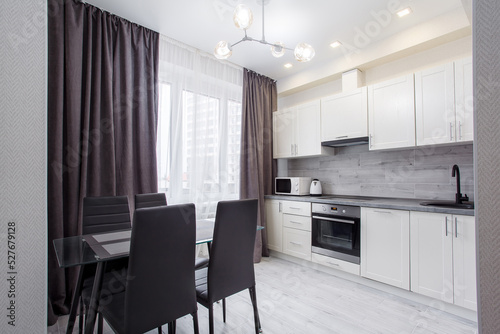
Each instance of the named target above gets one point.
<point>443,104</point>
<point>296,131</point>
<point>289,227</point>
<point>443,257</point>
<point>385,246</point>
<point>345,115</point>
<point>274,226</point>
<point>391,113</point>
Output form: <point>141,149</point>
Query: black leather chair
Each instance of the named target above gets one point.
<point>230,268</point>
<point>160,282</point>
<point>103,214</point>
<point>150,200</point>
<point>159,199</point>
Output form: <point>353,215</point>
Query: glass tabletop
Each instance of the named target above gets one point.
<point>85,249</point>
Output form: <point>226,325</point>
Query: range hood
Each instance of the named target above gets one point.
<point>346,142</point>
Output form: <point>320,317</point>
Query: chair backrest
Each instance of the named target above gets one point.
<point>230,267</point>
<point>150,200</point>
<point>161,282</point>
<point>104,214</point>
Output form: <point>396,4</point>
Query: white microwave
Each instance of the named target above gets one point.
<point>292,185</point>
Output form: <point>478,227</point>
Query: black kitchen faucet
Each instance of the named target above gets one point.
<point>458,196</point>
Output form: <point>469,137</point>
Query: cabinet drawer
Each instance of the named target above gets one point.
<point>336,263</point>
<point>297,243</point>
<point>298,222</point>
<point>297,208</point>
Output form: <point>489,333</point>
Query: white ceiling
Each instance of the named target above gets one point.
<point>203,23</point>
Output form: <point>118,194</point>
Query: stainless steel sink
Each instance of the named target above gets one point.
<point>449,204</point>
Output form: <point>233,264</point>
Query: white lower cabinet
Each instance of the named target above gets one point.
<point>289,227</point>
<point>385,246</point>
<point>443,257</point>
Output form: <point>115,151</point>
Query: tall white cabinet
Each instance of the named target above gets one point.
<point>391,113</point>
<point>274,227</point>
<point>443,263</point>
<point>464,102</point>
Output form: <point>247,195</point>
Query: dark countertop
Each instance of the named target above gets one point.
<point>375,202</point>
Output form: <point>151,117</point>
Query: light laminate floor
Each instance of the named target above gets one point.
<point>295,299</point>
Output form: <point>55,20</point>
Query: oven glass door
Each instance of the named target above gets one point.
<point>336,234</point>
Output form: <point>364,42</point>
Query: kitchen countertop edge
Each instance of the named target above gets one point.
<point>377,202</point>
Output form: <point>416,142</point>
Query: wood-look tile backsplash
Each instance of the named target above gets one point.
<point>422,173</point>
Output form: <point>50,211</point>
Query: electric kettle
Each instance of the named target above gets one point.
<point>315,189</point>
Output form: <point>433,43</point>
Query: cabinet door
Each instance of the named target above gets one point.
<point>297,243</point>
<point>435,105</point>
<point>464,100</point>
<point>464,261</point>
<point>391,113</point>
<point>345,115</point>
<point>283,133</point>
<point>307,131</point>
<point>274,225</point>
<point>431,255</point>
<point>385,246</point>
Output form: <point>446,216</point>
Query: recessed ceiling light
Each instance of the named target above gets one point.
<point>335,44</point>
<point>288,65</point>
<point>404,12</point>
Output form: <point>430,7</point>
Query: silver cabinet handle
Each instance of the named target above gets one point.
<point>340,137</point>
<point>446,226</point>
<point>291,149</point>
<point>296,243</point>
<point>294,208</point>
<point>459,130</point>
<point>451,131</point>
<point>298,223</point>
<point>333,264</point>
<point>456,227</point>
<point>370,139</point>
<point>380,211</point>
<point>279,207</point>
<point>296,149</point>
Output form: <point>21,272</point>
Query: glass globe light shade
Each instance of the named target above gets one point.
<point>222,50</point>
<point>242,17</point>
<point>304,52</point>
<point>278,49</point>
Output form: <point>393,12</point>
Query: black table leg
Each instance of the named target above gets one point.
<point>74,302</point>
<point>94,299</point>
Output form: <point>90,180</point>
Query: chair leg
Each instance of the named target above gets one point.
<point>80,320</point>
<point>195,323</point>
<point>253,297</point>
<point>211,319</point>
<point>170,329</point>
<point>224,309</point>
<point>174,326</point>
<point>159,330</point>
<point>99,324</point>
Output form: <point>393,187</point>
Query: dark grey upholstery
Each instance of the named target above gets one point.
<point>230,269</point>
<point>104,214</point>
<point>160,281</point>
<point>150,200</point>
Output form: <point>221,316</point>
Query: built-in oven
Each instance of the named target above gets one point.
<point>336,231</point>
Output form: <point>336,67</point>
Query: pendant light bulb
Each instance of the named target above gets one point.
<point>223,50</point>
<point>278,49</point>
<point>304,52</point>
<point>242,17</point>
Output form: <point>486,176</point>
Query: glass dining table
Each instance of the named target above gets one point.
<point>98,249</point>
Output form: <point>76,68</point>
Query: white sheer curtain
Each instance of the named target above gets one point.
<point>199,127</point>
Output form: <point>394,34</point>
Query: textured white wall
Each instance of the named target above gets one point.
<point>23,174</point>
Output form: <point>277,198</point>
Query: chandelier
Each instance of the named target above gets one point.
<point>243,18</point>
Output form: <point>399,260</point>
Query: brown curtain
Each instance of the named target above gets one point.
<point>102,116</point>
<point>257,165</point>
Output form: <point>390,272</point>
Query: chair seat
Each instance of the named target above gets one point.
<point>200,277</point>
<point>201,262</point>
<point>114,312</point>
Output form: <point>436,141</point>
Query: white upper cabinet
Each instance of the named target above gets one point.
<point>443,104</point>
<point>345,115</point>
<point>391,113</point>
<point>435,105</point>
<point>464,102</point>
<point>296,131</point>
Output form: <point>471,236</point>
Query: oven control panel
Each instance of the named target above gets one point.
<point>337,210</point>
